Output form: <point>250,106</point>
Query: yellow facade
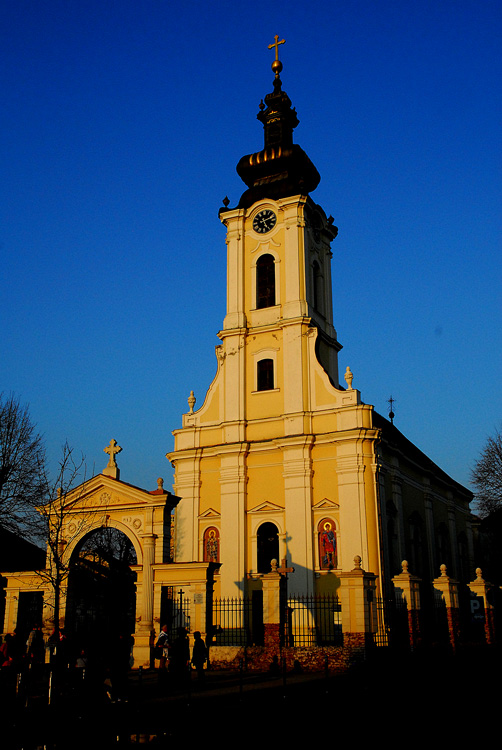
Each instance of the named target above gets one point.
<point>302,450</point>
<point>299,451</point>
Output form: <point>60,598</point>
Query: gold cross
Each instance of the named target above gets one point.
<point>276,45</point>
<point>112,449</point>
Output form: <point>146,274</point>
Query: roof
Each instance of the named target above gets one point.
<point>396,441</point>
<point>17,553</point>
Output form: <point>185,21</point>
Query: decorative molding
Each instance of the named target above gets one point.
<point>209,513</point>
<point>266,507</point>
<point>135,521</point>
<point>326,503</point>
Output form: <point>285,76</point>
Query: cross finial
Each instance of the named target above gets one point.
<point>112,469</point>
<point>276,45</point>
<point>277,65</point>
<point>391,401</point>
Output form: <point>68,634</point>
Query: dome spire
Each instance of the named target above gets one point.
<point>281,168</point>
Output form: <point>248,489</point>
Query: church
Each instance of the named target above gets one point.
<point>283,472</point>
<point>284,459</point>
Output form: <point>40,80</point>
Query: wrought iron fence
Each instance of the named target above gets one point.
<point>313,621</point>
<point>175,610</point>
<point>440,631</point>
<point>392,622</point>
<point>382,635</point>
<point>237,621</point>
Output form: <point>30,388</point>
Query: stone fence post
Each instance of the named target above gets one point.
<point>358,602</point>
<point>480,588</point>
<point>407,587</point>
<point>272,609</point>
<point>448,588</point>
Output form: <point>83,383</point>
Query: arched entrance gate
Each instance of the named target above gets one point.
<point>113,551</point>
<point>114,535</point>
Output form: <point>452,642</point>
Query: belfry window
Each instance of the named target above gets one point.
<point>317,283</point>
<point>265,375</point>
<point>265,281</point>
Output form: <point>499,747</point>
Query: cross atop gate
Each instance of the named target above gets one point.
<point>112,470</point>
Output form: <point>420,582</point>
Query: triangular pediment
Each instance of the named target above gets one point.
<point>326,504</point>
<point>210,513</point>
<point>107,492</point>
<point>266,507</point>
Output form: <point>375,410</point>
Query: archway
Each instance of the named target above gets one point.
<point>268,546</point>
<point>101,602</point>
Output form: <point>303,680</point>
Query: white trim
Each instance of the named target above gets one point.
<point>257,357</point>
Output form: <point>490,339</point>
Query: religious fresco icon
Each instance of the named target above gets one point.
<point>327,545</point>
<point>211,545</point>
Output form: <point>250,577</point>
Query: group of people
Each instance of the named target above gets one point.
<point>104,668</point>
<point>16,652</point>
<point>175,655</point>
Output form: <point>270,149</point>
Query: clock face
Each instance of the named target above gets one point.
<point>264,221</point>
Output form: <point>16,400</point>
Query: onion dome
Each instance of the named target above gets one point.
<point>282,168</point>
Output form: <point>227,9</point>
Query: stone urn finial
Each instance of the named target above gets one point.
<point>357,562</point>
<point>191,402</point>
<point>348,378</point>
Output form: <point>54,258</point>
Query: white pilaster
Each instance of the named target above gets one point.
<point>233,521</point>
<point>297,474</point>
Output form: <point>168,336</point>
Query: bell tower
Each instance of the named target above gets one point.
<point>244,461</point>
<point>279,262</point>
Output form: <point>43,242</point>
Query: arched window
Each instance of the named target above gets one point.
<point>265,281</point>
<point>463,558</point>
<point>443,545</point>
<point>327,544</point>
<point>392,538</point>
<point>265,375</point>
<point>317,283</point>
<point>268,546</point>
<point>211,545</point>
<point>416,544</point>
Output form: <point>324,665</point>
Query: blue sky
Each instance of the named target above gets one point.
<point>122,125</point>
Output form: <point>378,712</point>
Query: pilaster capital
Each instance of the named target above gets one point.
<point>350,465</point>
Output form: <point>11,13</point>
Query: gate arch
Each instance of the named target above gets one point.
<point>101,597</point>
<point>112,523</point>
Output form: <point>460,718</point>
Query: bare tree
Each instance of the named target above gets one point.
<point>64,520</point>
<point>487,476</point>
<point>22,466</point>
